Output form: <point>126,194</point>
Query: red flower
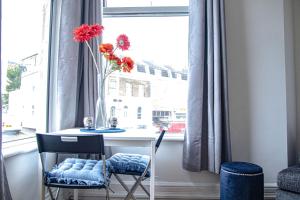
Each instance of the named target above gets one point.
<point>127,64</point>
<point>82,33</point>
<point>96,30</point>
<point>85,32</point>
<point>123,42</point>
<point>106,48</point>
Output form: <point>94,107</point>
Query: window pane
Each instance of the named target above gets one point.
<point>159,48</point>
<point>25,26</point>
<point>142,3</point>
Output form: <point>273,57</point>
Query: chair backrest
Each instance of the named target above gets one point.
<point>93,144</point>
<point>161,136</point>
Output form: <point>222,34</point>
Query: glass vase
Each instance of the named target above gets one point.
<point>100,112</point>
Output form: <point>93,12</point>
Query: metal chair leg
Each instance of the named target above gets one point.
<point>133,189</point>
<point>57,192</point>
<point>123,185</point>
<point>142,186</point>
<point>50,192</point>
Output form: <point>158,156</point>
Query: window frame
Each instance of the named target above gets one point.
<point>150,11</point>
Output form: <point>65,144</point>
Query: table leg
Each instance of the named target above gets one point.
<point>152,177</point>
<point>75,194</point>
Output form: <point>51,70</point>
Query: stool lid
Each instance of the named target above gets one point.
<point>241,167</point>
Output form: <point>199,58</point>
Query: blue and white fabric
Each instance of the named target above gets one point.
<point>74,171</point>
<point>131,164</point>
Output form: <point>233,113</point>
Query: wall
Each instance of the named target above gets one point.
<point>22,173</point>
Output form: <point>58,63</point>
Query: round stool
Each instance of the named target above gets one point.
<point>241,181</point>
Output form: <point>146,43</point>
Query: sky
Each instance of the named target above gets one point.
<point>20,19</point>
<point>162,40</point>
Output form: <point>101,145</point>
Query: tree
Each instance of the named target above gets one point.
<point>14,72</point>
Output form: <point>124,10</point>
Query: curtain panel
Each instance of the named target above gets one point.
<point>207,138</point>
<point>73,77</point>
<point>4,188</point>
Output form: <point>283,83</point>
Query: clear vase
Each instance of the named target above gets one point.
<point>100,112</point>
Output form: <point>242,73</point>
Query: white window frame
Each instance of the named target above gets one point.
<point>150,11</point>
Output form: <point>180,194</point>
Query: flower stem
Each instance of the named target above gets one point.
<point>94,59</point>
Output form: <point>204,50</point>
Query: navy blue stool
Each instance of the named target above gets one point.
<point>241,181</point>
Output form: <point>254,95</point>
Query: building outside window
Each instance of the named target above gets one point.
<point>139,113</point>
<point>25,33</point>
<point>158,33</point>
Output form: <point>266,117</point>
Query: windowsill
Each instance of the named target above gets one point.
<point>174,137</point>
<point>17,147</point>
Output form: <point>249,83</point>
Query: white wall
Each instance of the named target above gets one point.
<point>22,173</point>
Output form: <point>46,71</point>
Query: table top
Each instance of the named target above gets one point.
<point>129,134</point>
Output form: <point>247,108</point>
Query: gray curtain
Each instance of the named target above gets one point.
<point>4,188</point>
<point>73,78</point>
<point>207,138</point>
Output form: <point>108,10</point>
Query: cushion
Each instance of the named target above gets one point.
<point>285,195</point>
<point>289,179</point>
<point>74,171</point>
<point>131,164</point>
<point>241,168</point>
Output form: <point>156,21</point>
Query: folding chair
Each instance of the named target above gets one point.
<point>74,173</point>
<point>136,165</point>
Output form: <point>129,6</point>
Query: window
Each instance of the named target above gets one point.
<point>184,76</point>
<point>151,70</point>
<point>141,68</point>
<point>141,91</point>
<point>25,24</point>
<point>164,73</point>
<point>128,89</point>
<point>112,86</point>
<point>142,3</point>
<point>125,111</point>
<point>158,33</point>
<point>174,75</point>
<point>113,111</point>
<point>139,113</point>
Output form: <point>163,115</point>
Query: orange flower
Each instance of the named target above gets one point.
<point>127,64</point>
<point>106,48</point>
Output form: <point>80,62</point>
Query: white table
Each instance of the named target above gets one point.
<point>130,138</point>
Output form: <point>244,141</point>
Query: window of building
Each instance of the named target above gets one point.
<point>141,91</point>
<point>158,33</point>
<point>164,73</point>
<point>139,113</point>
<point>24,70</point>
<point>112,86</point>
<point>141,68</point>
<point>125,111</point>
<point>128,89</point>
<point>174,75</point>
<point>184,77</point>
<point>113,111</point>
<point>151,70</point>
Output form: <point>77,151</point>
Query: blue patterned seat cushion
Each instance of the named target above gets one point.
<point>132,164</point>
<point>74,171</point>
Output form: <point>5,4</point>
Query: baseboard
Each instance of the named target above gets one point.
<point>169,190</point>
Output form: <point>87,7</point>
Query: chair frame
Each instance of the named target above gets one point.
<point>89,144</point>
<point>139,179</point>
